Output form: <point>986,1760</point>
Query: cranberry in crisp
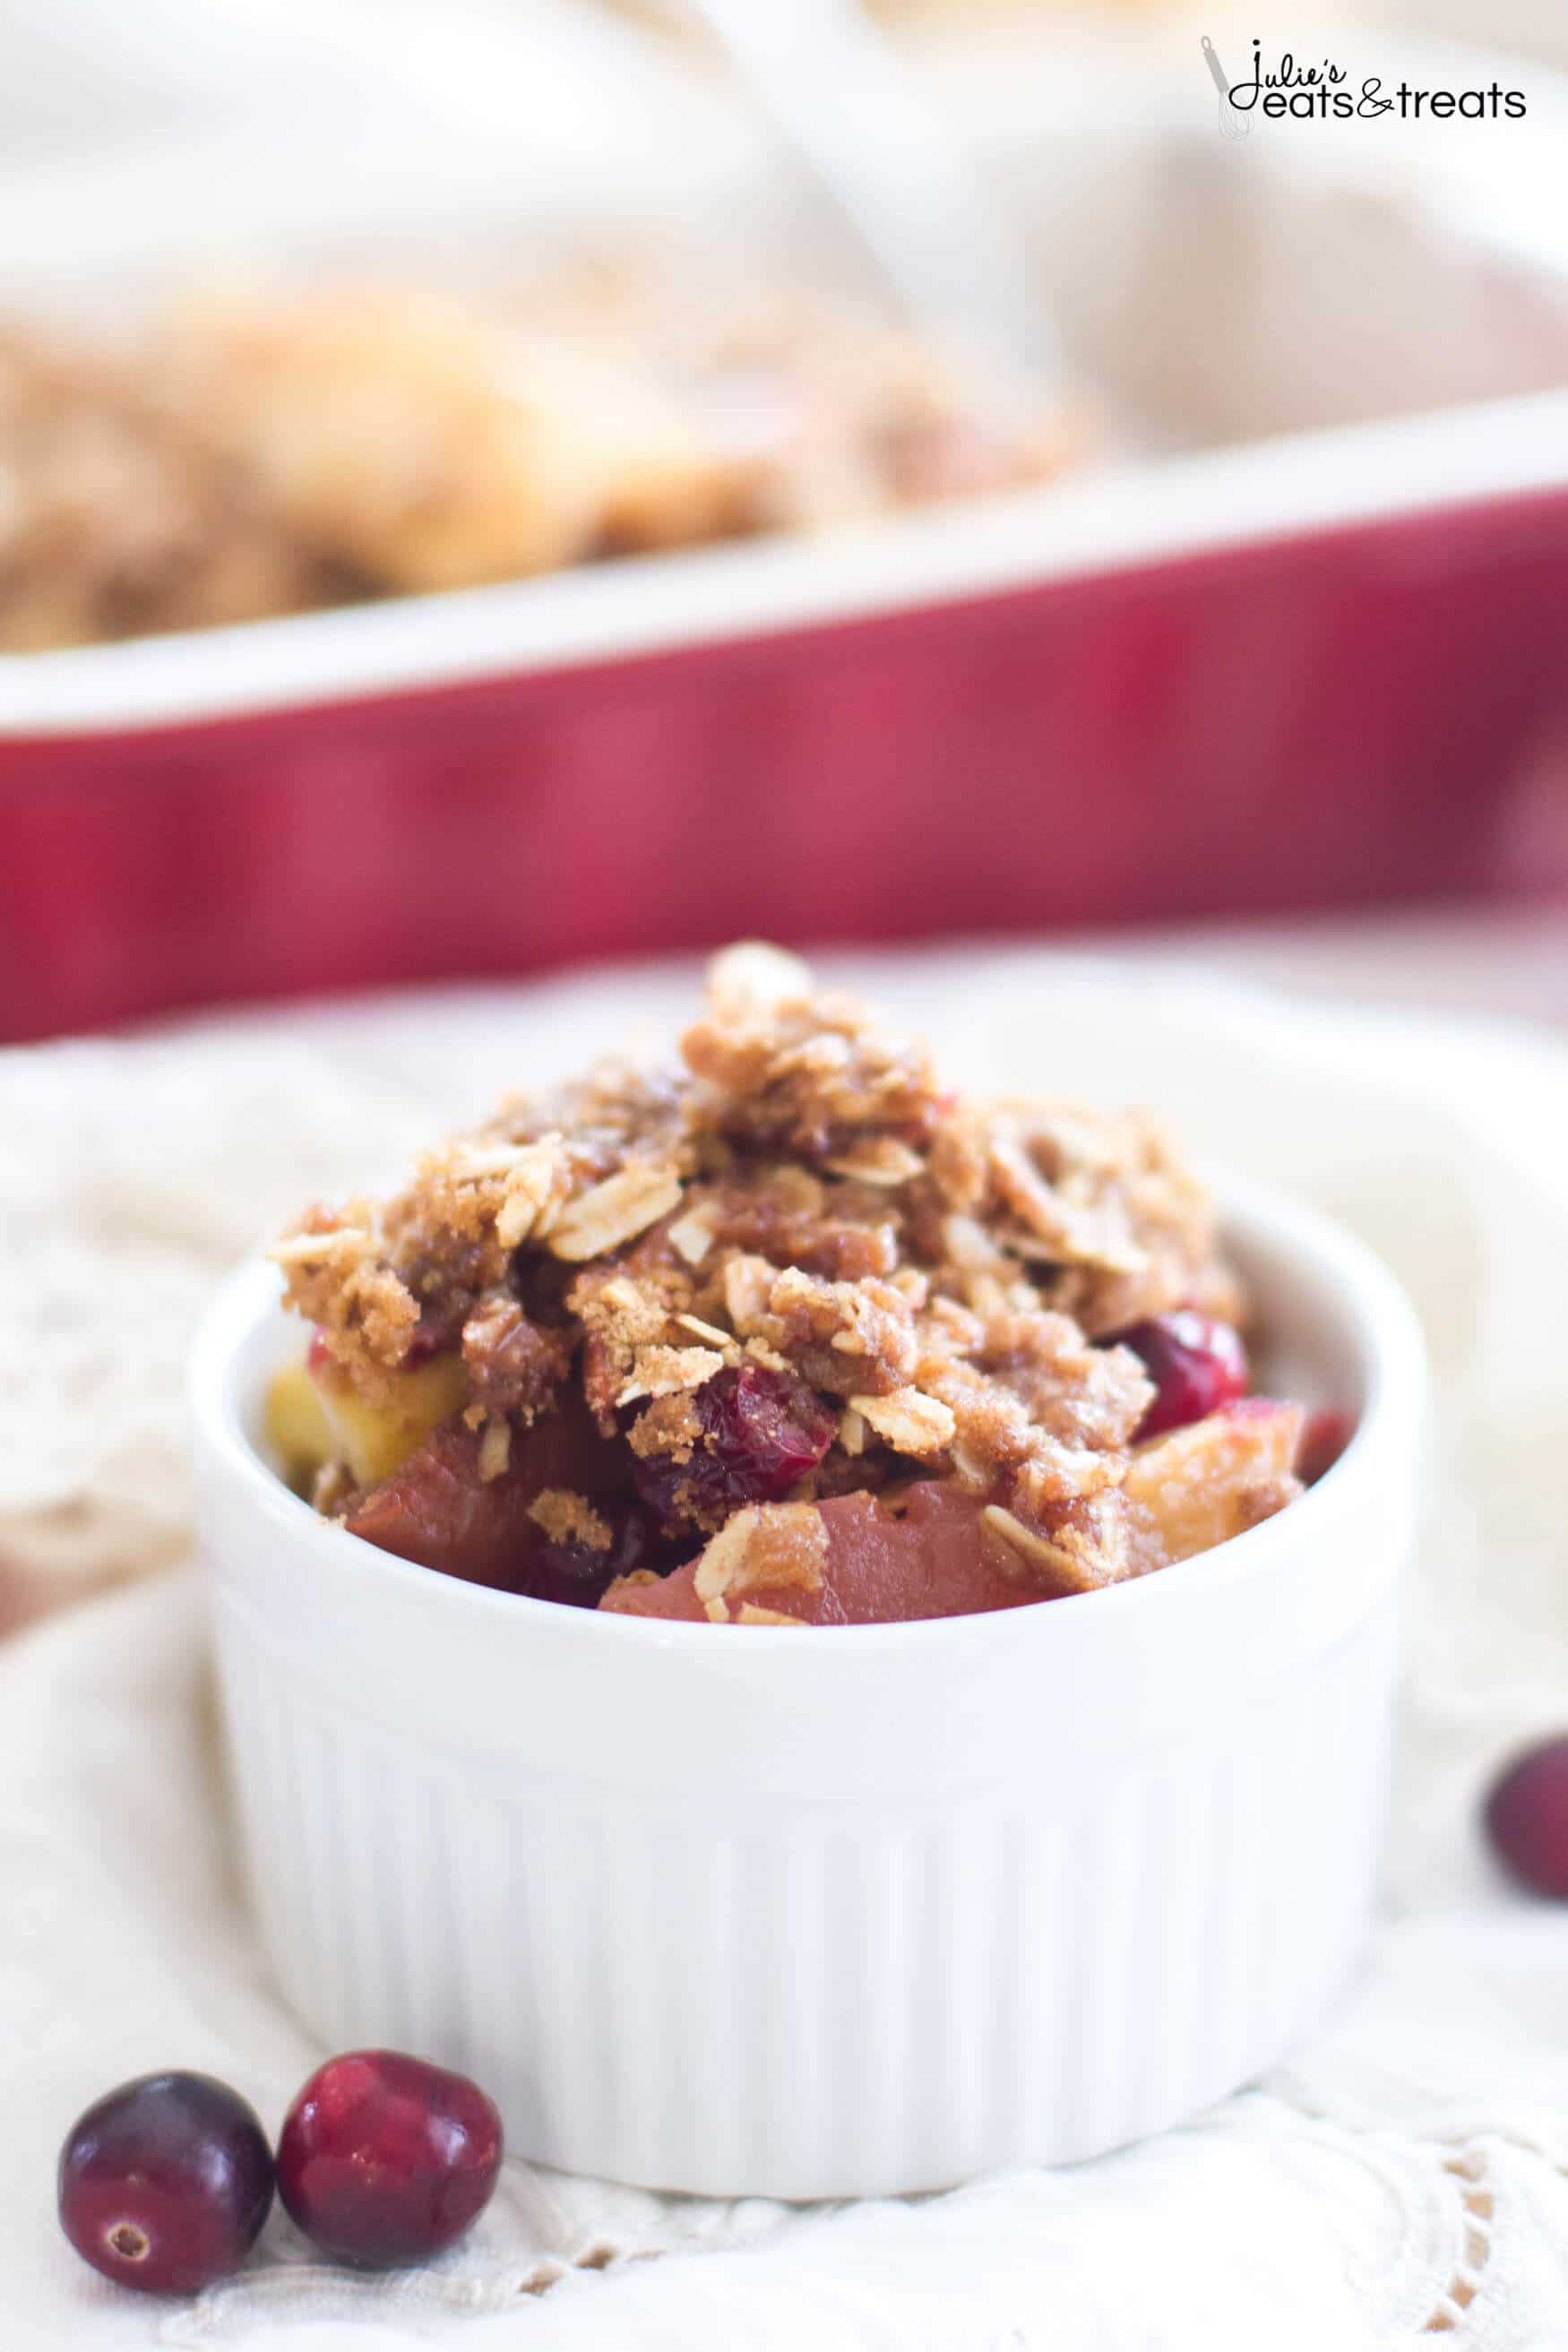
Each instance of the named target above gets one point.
<point>761,1430</point>
<point>1325,1435</point>
<point>1527,1818</point>
<point>1196,1364</point>
<point>577,1574</point>
<point>166,2182</point>
<point>383,2159</point>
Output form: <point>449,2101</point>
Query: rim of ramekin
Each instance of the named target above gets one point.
<point>1388,1338</point>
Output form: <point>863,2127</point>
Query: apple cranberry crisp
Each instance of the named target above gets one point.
<point>793,1334</point>
<point>265,453</point>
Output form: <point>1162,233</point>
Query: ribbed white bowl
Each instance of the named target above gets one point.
<point>872,1910</point>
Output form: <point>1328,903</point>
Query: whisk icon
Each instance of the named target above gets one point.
<point>1232,124</point>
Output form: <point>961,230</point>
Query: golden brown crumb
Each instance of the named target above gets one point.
<point>566,1517</point>
<point>669,1426</point>
<point>842,1335</point>
<point>335,1275</point>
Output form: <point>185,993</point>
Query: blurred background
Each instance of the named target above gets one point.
<point>490,485</point>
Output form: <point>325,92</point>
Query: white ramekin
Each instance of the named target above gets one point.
<point>879,1908</point>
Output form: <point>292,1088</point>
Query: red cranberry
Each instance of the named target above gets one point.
<point>577,1574</point>
<point>384,2160</point>
<point>1324,1437</point>
<point>166,2182</point>
<point>1527,1818</point>
<point>1195,1362</point>
<point>761,1430</point>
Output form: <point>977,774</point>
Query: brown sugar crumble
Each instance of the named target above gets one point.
<point>733,1320</point>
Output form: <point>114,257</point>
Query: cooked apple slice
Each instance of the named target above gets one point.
<point>374,1438</point>
<point>438,1508</point>
<point>435,1508</point>
<point>1198,1486</point>
<point>935,1555</point>
<point>298,1430</point>
<point>313,1415</point>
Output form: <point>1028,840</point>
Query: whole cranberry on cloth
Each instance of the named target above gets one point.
<point>165,2183</point>
<point>1527,1818</point>
<point>385,2160</point>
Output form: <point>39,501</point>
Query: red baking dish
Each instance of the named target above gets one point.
<point>1325,663</point>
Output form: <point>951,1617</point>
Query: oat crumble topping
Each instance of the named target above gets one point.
<point>803,1236</point>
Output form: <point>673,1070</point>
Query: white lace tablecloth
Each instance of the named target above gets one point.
<point>1403,2171</point>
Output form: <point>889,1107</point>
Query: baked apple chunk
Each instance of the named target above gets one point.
<point>1198,1486</point>
<point>315,1413</point>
